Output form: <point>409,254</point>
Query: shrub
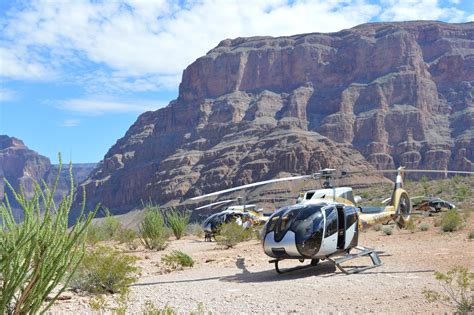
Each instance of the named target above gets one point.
<point>451,221</point>
<point>176,259</point>
<point>152,231</point>
<point>194,229</point>
<point>230,234</point>
<point>387,230</point>
<point>36,253</point>
<point>462,192</point>
<point>425,184</point>
<point>410,225</point>
<point>128,237</point>
<point>457,285</point>
<point>105,230</point>
<point>471,235</point>
<point>151,309</point>
<point>105,270</point>
<point>177,221</point>
<point>424,227</point>
<point>378,227</point>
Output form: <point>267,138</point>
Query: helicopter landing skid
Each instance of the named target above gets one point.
<point>314,262</point>
<point>363,251</point>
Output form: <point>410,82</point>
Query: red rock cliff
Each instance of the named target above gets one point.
<point>377,95</point>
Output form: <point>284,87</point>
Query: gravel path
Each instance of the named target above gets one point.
<point>240,280</point>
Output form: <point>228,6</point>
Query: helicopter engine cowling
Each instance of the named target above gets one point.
<point>310,231</point>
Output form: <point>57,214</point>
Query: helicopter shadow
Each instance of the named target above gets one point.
<point>271,275</point>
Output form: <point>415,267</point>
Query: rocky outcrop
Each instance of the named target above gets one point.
<point>24,167</point>
<point>377,95</point>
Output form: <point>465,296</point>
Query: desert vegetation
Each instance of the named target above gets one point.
<point>153,232</point>
<point>177,221</point>
<point>105,270</point>
<point>40,254</point>
<point>230,234</point>
<point>457,290</point>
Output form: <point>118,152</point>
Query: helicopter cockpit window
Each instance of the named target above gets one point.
<point>331,221</point>
<point>308,227</point>
<point>348,196</point>
<point>285,223</point>
<point>309,195</point>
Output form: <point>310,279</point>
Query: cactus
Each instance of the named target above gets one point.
<point>39,253</point>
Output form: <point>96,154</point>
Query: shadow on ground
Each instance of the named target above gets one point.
<point>271,275</point>
<point>323,269</point>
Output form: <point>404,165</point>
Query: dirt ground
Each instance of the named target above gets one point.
<point>240,280</point>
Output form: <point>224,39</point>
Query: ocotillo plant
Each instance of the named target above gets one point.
<point>152,230</point>
<point>177,221</point>
<point>39,253</point>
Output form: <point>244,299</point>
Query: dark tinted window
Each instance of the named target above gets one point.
<point>308,228</point>
<point>331,221</point>
<point>284,223</point>
<point>351,216</point>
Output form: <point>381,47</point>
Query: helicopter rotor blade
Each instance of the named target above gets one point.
<point>215,204</point>
<point>253,185</point>
<point>409,171</point>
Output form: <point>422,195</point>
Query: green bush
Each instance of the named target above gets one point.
<point>471,235</point>
<point>36,254</point>
<point>105,270</point>
<point>194,229</point>
<point>424,183</point>
<point>462,192</point>
<point>128,237</point>
<point>458,284</point>
<point>104,230</point>
<point>152,231</point>
<point>176,259</point>
<point>151,309</point>
<point>230,234</point>
<point>378,227</point>
<point>451,221</point>
<point>410,225</point>
<point>424,227</point>
<point>177,221</point>
<point>387,230</point>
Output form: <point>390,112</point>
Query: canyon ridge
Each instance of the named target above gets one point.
<point>375,96</point>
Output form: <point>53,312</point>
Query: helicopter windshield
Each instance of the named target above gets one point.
<point>306,221</point>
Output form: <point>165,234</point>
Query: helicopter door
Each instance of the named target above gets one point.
<point>341,232</point>
<point>329,244</point>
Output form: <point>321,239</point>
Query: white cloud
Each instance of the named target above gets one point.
<point>99,106</point>
<point>7,95</point>
<point>70,123</point>
<point>19,64</point>
<point>137,45</point>
<point>145,45</point>
<point>404,10</point>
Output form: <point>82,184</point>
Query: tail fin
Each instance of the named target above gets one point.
<point>400,200</point>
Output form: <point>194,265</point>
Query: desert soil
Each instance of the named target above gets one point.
<point>241,280</point>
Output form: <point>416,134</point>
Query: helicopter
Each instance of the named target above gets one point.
<point>243,214</point>
<point>325,223</point>
<point>431,204</point>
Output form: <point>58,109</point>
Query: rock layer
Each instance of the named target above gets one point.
<point>23,167</point>
<point>377,95</point>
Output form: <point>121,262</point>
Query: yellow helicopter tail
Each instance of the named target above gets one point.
<point>400,201</point>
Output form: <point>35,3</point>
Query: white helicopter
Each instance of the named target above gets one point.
<point>325,223</point>
<point>246,215</point>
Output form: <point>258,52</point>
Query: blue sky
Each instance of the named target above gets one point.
<point>74,75</point>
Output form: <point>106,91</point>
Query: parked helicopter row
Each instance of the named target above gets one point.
<point>324,224</point>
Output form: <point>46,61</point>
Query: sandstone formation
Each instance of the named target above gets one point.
<point>22,167</point>
<point>377,95</point>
